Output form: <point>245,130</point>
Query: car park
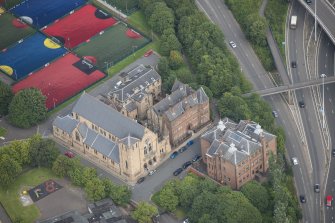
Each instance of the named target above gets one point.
<point>190,143</point>
<point>182,149</point>
<point>151,172</point>
<point>317,188</point>
<point>187,164</point>
<point>177,171</point>
<point>196,158</point>
<point>174,155</point>
<point>232,44</point>
<point>329,200</point>
<point>295,161</point>
<point>275,114</point>
<point>140,180</point>
<point>293,64</point>
<point>302,198</point>
<point>301,104</point>
<point>69,154</point>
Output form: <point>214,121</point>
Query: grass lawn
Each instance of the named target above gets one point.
<point>3,131</point>
<point>10,198</point>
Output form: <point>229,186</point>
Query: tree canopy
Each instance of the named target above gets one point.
<point>144,212</point>
<point>6,96</point>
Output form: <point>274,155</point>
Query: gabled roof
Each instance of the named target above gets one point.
<point>181,97</point>
<point>66,123</point>
<point>107,118</point>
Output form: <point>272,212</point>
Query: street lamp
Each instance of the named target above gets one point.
<point>323,99</point>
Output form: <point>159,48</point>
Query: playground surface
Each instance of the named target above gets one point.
<point>28,55</point>
<point>80,26</point>
<point>40,13</point>
<point>62,79</point>
<point>12,30</point>
<point>112,45</point>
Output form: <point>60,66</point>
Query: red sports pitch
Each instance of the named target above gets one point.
<point>62,79</point>
<point>80,26</point>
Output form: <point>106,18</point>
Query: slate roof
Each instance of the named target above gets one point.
<point>182,95</point>
<point>107,118</point>
<point>138,78</point>
<point>228,141</point>
<point>66,123</point>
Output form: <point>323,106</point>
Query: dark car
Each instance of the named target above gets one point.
<point>187,164</point>
<point>317,188</point>
<point>177,171</point>
<point>302,199</point>
<point>174,155</point>
<point>301,104</point>
<point>293,64</point>
<point>182,149</point>
<point>69,154</point>
<point>333,152</point>
<point>308,2</point>
<point>190,143</point>
<point>196,158</point>
<point>140,180</point>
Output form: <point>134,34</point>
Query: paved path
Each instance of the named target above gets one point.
<point>4,218</point>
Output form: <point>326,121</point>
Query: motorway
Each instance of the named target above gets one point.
<point>325,13</point>
<point>296,142</point>
<point>326,66</point>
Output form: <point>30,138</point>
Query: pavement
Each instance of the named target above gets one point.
<point>4,218</point>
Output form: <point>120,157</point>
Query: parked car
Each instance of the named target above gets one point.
<point>302,198</point>
<point>275,114</point>
<point>333,152</point>
<point>308,2</point>
<point>317,188</point>
<point>174,155</point>
<point>177,171</point>
<point>186,220</point>
<point>151,172</point>
<point>232,44</point>
<point>196,158</point>
<point>140,180</point>
<point>148,53</point>
<point>329,200</point>
<point>295,161</point>
<point>190,143</point>
<point>69,154</point>
<point>182,149</point>
<point>301,104</point>
<point>187,164</point>
<point>293,64</point>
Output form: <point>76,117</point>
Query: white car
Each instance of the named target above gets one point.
<point>151,172</point>
<point>295,161</point>
<point>232,44</point>
<point>275,114</point>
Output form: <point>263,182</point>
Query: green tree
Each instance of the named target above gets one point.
<point>6,96</point>
<point>167,199</point>
<point>9,170</point>
<point>88,174</point>
<point>163,67</point>
<point>17,150</point>
<point>207,218</point>
<point>257,195</point>
<point>120,194</point>
<point>144,212</point>
<point>187,191</point>
<point>161,17</point>
<point>184,75</point>
<point>175,59</point>
<point>76,176</point>
<point>168,43</point>
<point>233,107</point>
<point>27,108</point>
<point>256,29</point>
<point>95,189</point>
<point>63,165</point>
<point>43,152</point>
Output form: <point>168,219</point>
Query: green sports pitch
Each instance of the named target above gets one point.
<point>10,33</point>
<point>111,46</point>
<point>125,6</point>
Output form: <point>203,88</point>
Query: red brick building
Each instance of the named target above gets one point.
<point>236,153</point>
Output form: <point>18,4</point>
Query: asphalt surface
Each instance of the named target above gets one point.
<point>251,66</point>
<point>325,13</point>
<point>326,66</point>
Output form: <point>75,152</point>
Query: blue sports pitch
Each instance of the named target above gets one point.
<point>30,54</point>
<point>43,12</point>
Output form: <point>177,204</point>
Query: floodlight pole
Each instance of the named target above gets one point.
<point>106,62</point>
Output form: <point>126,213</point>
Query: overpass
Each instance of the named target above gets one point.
<point>287,88</point>
<point>325,15</point>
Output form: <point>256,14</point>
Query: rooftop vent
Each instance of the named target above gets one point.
<point>258,129</point>
<point>232,148</point>
<point>119,83</point>
<point>221,126</point>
